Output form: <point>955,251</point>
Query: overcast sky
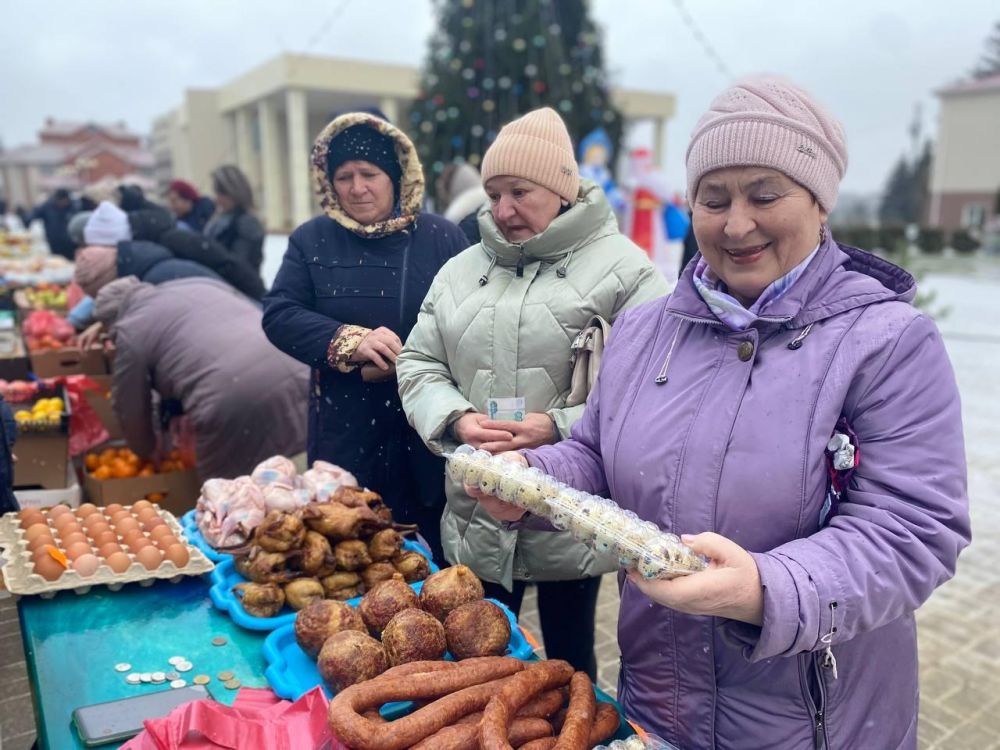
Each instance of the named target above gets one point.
<point>870,61</point>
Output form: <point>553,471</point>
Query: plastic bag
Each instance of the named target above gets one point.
<point>86,430</point>
<point>257,719</point>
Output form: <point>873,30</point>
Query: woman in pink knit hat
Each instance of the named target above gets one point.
<point>489,361</point>
<point>789,407</point>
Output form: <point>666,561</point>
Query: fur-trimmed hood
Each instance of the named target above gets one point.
<point>411,183</point>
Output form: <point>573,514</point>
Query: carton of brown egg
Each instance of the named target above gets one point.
<point>49,550</point>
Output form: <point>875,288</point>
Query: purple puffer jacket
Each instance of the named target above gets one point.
<point>733,442</point>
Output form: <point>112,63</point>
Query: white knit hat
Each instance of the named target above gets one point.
<point>108,226</point>
<point>536,147</point>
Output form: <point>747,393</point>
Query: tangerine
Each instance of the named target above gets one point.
<point>101,473</point>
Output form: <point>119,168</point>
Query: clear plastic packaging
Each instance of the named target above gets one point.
<point>637,742</point>
<point>596,521</point>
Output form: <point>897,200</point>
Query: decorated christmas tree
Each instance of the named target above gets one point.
<point>492,60</point>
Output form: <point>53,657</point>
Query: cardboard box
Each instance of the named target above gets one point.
<point>52,363</point>
<point>70,495</point>
<point>100,402</point>
<point>13,355</point>
<point>43,457</point>
<point>179,488</point>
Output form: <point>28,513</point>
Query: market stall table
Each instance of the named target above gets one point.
<point>72,644</point>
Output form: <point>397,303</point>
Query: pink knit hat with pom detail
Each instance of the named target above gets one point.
<point>767,121</point>
<point>536,147</point>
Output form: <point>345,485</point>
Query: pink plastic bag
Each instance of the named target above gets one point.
<point>257,719</point>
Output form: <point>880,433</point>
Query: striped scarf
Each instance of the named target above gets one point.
<point>727,308</point>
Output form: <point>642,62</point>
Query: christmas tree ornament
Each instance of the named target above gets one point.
<point>538,41</point>
<point>504,82</point>
<point>500,35</point>
<point>519,45</point>
<point>531,70</point>
<point>473,92</point>
<point>465,45</point>
<point>468,74</point>
<point>477,131</point>
<point>555,29</point>
<point>488,84</point>
<point>539,87</point>
<point>489,105</point>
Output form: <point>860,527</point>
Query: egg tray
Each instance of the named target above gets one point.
<point>594,520</point>
<point>19,578</point>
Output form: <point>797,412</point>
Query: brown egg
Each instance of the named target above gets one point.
<point>76,549</point>
<point>156,533</point>
<point>41,541</point>
<point>126,524</point>
<point>85,510</point>
<point>119,562</point>
<point>146,514</point>
<point>30,516</point>
<point>97,529</point>
<point>131,535</point>
<point>107,550</point>
<point>140,542</point>
<point>73,536</point>
<point>42,551</point>
<point>58,510</point>
<point>110,510</point>
<point>118,515</point>
<point>86,565</point>
<point>140,505</point>
<point>48,568</point>
<point>93,519</point>
<point>166,541</point>
<point>103,537</point>
<point>36,530</point>
<point>149,557</point>
<point>177,554</point>
<point>151,523</point>
<point>66,519</point>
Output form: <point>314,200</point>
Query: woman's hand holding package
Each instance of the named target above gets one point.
<point>729,588</point>
<point>470,429</point>
<point>500,510</point>
<point>535,430</point>
<point>380,347</point>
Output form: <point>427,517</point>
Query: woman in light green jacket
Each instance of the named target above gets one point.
<point>497,323</point>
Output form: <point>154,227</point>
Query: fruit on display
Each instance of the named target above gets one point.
<point>46,296</point>
<point>122,463</point>
<point>44,329</point>
<point>44,414</point>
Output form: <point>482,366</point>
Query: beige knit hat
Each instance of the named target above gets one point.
<point>536,147</point>
<point>768,121</point>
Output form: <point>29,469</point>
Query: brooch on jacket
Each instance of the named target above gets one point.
<point>843,455</point>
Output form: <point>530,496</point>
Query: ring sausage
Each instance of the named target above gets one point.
<point>466,736</point>
<point>575,731</point>
<point>516,692</point>
<point>467,687</point>
<point>606,723</point>
<point>541,707</point>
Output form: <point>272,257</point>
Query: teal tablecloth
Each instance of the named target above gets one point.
<point>73,642</point>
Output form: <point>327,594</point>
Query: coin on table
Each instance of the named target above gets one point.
<point>123,667</point>
<point>231,684</point>
<point>202,679</point>
<point>219,641</point>
<point>158,677</point>
<point>184,666</point>
<point>133,679</point>
<point>146,677</point>
<point>173,661</point>
<point>175,684</point>
<point>225,676</point>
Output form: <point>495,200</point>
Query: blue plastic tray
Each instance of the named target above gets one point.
<point>225,576</point>
<point>193,534</point>
<point>291,672</point>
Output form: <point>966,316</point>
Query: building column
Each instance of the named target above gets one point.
<point>270,168</point>
<point>246,157</point>
<point>658,149</point>
<point>391,111</point>
<point>297,115</point>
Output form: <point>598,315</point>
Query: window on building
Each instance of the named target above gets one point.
<point>973,215</point>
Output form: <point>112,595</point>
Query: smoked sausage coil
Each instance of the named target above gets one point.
<point>466,736</point>
<point>580,714</point>
<point>516,692</point>
<point>541,707</point>
<point>458,684</point>
<point>606,723</point>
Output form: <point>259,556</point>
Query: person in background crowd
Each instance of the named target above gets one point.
<point>8,434</point>
<point>9,220</point>
<point>76,225</point>
<point>234,224</point>
<point>55,214</point>
<point>347,294</point>
<point>112,253</point>
<point>788,401</point>
<point>498,322</point>
<point>461,193</point>
<point>199,342</point>
<point>191,210</point>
